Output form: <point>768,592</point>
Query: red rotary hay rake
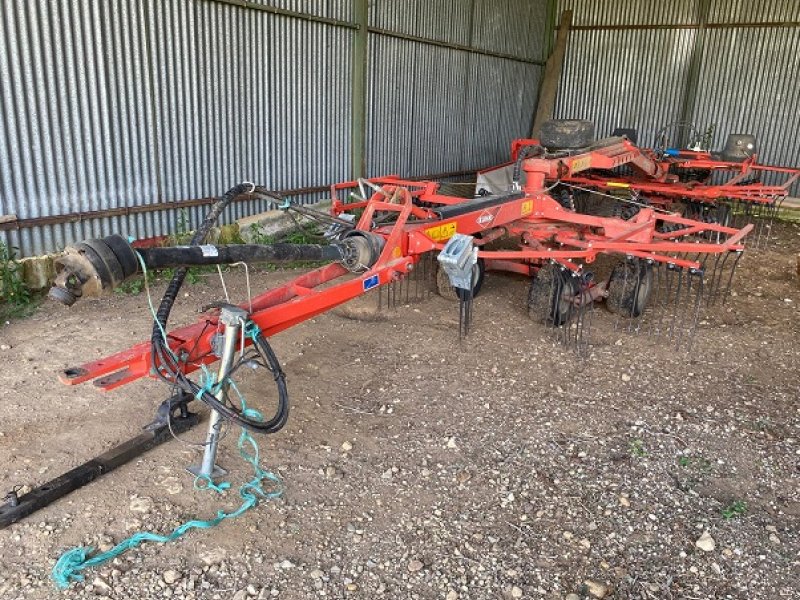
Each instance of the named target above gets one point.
<point>727,187</point>
<point>390,233</point>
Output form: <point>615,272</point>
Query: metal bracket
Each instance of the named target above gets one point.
<point>457,258</point>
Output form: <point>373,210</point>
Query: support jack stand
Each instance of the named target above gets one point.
<point>234,319</point>
<point>173,411</point>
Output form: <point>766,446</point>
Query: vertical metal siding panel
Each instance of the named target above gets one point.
<point>746,83</point>
<point>747,11</point>
<point>237,94</point>
<point>630,12</point>
<point>392,64</point>
<point>331,9</point>
<point>603,84</point>
<point>739,95</point>
<point>459,110</point>
<point>72,115</point>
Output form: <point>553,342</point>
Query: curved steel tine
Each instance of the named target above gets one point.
<point>587,310</point>
<point>470,303</point>
<point>712,279</point>
<point>623,292</point>
<point>633,325</point>
<point>683,312</point>
<point>669,275</point>
<point>655,297</point>
<point>557,297</point>
<point>551,306</point>
<point>676,311</point>
<point>577,324</point>
<point>774,212</point>
<point>697,307</point>
<point>576,305</point>
<point>460,319</point>
<point>564,289</point>
<point>730,278</point>
<point>718,282</point>
<point>759,224</point>
<point>416,274</point>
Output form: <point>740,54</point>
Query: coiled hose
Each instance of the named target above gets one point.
<point>166,365</point>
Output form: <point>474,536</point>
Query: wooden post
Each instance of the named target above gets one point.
<point>359,122</point>
<point>552,74</point>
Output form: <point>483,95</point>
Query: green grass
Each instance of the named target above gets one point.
<point>788,215</point>
<point>636,448</point>
<point>700,463</point>
<point>735,509</point>
<point>16,300</point>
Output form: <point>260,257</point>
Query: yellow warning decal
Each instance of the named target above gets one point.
<point>581,164</point>
<point>441,232</point>
<point>527,207</point>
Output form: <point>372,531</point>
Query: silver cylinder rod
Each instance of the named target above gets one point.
<point>232,317</point>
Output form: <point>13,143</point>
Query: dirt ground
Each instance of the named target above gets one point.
<point>418,466</point>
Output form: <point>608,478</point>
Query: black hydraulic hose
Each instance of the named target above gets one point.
<point>525,152</point>
<point>271,425</point>
<point>180,256</point>
<point>180,274</point>
<point>166,366</point>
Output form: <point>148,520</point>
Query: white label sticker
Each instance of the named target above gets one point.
<point>209,250</point>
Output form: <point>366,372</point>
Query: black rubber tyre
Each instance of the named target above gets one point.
<point>448,292</point>
<point>551,296</point>
<point>630,288</point>
<point>566,134</point>
<point>125,254</point>
<point>105,262</point>
<point>627,132</point>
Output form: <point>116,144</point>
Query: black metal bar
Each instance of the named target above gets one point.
<point>183,256</point>
<point>468,206</point>
<point>47,493</point>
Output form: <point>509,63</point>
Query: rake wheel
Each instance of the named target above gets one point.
<point>551,296</point>
<point>629,288</point>
<point>448,292</point>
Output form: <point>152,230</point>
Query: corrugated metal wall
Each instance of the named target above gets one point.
<point>439,109</point>
<point>725,63</point>
<point>126,103</point>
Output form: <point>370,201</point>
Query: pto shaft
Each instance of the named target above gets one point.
<point>95,267</point>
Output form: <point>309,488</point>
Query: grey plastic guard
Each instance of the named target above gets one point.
<point>457,258</point>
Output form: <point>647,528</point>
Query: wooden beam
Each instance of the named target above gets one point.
<point>358,126</point>
<point>552,75</point>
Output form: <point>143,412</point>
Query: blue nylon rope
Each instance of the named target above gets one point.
<point>69,566</point>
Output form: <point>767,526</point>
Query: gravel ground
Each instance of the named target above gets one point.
<point>418,466</point>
